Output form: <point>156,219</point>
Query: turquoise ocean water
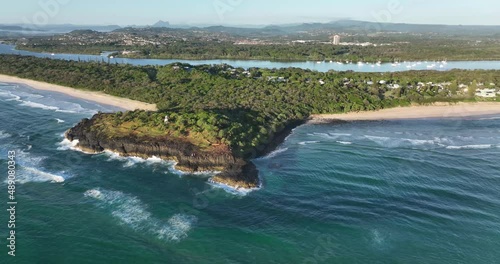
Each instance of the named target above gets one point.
<point>415,191</point>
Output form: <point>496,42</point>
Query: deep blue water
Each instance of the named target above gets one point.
<point>322,66</point>
<point>416,191</point>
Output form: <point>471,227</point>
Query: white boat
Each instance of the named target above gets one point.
<point>319,62</point>
<point>340,63</point>
<point>53,54</point>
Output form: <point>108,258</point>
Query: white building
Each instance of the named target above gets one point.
<point>336,40</point>
<point>487,93</point>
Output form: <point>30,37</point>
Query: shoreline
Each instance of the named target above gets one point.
<point>436,110</point>
<point>97,97</point>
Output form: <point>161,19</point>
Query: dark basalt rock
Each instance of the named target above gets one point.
<point>235,171</point>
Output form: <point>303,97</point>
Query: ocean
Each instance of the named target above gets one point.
<point>406,191</point>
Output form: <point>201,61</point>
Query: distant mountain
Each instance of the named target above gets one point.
<point>371,27</point>
<point>61,28</point>
<point>161,23</point>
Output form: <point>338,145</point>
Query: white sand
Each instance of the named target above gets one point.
<point>97,97</point>
<point>438,110</point>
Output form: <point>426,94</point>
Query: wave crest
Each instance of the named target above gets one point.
<point>130,211</point>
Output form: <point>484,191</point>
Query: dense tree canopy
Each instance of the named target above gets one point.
<point>244,108</point>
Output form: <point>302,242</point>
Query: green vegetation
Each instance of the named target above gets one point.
<point>392,42</point>
<point>435,49</point>
<point>210,105</point>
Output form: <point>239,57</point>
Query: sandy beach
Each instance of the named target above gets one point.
<point>437,110</point>
<point>97,97</point>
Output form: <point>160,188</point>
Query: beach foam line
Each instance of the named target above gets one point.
<point>132,212</point>
<point>484,146</point>
<point>98,97</point>
<point>490,118</point>
<point>39,105</point>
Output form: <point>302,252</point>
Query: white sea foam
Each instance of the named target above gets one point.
<point>490,118</point>
<point>4,134</point>
<point>233,190</point>
<point>130,211</point>
<point>378,139</point>
<point>60,121</point>
<point>485,146</point>
<point>308,142</point>
<point>417,142</point>
<point>132,160</point>
<point>198,173</point>
<point>66,144</point>
<point>340,134</point>
<point>30,174</point>
<point>275,153</point>
<point>9,95</point>
<point>30,169</point>
<point>344,142</point>
<point>39,105</point>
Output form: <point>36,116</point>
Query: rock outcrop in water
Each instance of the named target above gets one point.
<point>235,172</point>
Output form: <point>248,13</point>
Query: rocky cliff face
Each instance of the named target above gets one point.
<point>235,172</point>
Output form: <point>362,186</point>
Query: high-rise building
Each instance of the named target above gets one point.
<point>336,40</point>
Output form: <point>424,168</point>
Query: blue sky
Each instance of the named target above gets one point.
<point>249,12</point>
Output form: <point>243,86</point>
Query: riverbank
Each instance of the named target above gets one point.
<point>97,97</point>
<point>437,110</point>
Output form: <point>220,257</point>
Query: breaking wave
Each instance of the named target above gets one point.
<point>39,105</point>
<point>275,153</point>
<point>66,144</point>
<point>132,161</point>
<point>60,121</point>
<point>485,146</point>
<point>308,142</point>
<point>132,212</point>
<point>30,174</point>
<point>344,142</point>
<point>233,190</point>
<point>31,170</point>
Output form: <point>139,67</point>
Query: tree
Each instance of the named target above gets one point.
<point>472,89</point>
